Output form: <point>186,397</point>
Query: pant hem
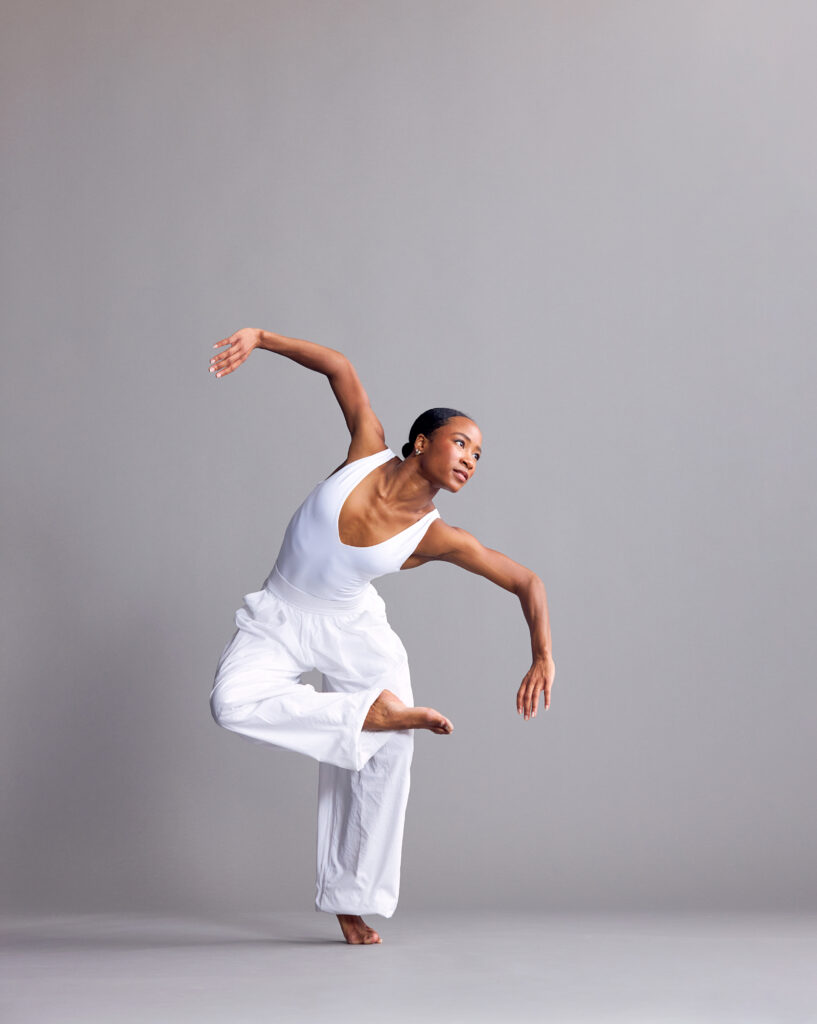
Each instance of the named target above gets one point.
<point>369,742</point>
<point>380,909</point>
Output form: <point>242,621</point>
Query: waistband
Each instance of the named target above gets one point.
<point>276,584</point>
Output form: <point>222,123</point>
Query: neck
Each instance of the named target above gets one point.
<point>407,486</point>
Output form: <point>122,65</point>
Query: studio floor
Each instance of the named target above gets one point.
<point>452,967</point>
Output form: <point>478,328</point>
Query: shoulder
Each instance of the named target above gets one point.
<point>444,541</point>
<point>373,459</point>
<point>368,437</point>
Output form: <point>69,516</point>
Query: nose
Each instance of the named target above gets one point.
<point>468,460</point>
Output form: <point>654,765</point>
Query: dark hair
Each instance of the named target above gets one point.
<point>427,422</point>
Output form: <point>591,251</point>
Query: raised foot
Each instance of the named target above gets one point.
<point>389,712</point>
<point>356,931</point>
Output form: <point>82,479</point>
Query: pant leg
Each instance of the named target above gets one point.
<point>361,813</point>
<point>257,690</point>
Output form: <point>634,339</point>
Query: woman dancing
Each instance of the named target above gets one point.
<point>318,610</point>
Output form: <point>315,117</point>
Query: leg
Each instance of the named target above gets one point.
<point>361,813</point>
<point>360,831</point>
<point>257,691</point>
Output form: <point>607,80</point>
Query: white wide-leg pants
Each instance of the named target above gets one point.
<point>363,778</point>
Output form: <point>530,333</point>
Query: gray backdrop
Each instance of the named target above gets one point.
<point>590,225</point>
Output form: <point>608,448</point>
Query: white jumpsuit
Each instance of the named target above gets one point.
<point>318,610</point>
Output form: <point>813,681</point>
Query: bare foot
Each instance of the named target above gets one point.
<point>389,712</point>
<point>356,931</point>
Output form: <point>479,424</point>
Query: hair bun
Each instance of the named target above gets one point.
<point>427,422</point>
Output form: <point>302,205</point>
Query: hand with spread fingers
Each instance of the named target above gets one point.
<point>240,345</point>
<point>538,680</point>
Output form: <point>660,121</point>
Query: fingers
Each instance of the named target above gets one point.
<point>218,361</point>
<point>549,682</point>
<point>527,697</point>
<point>239,346</point>
<point>523,698</point>
<point>226,361</point>
<point>533,686</point>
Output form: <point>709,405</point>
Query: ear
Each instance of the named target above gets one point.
<point>420,442</point>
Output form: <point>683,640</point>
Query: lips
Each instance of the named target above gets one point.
<point>462,475</point>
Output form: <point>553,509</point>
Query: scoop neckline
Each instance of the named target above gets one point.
<point>388,540</point>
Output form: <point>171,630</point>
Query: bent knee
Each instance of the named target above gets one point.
<point>224,712</point>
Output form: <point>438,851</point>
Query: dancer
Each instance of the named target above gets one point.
<point>318,610</point>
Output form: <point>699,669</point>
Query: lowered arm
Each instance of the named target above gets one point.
<point>445,543</point>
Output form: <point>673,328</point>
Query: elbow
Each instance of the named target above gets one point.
<point>528,584</point>
<point>339,365</point>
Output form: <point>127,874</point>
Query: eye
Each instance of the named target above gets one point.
<point>459,440</point>
<point>477,456</point>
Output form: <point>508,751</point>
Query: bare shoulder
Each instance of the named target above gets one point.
<point>445,543</point>
<point>365,429</point>
<point>442,540</point>
<point>368,436</point>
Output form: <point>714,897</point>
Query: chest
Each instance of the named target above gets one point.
<point>366,519</point>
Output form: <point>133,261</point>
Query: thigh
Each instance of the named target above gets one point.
<point>364,651</point>
<point>264,655</point>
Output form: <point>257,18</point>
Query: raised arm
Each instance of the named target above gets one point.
<point>445,543</point>
<point>367,436</point>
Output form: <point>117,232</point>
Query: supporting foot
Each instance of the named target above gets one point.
<point>356,931</point>
<point>389,712</point>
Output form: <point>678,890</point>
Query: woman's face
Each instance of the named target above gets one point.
<point>449,457</point>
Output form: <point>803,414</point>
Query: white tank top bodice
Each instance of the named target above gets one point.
<point>315,560</point>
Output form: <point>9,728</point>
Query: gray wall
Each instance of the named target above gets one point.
<point>589,224</point>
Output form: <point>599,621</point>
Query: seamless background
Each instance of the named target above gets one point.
<point>592,226</point>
